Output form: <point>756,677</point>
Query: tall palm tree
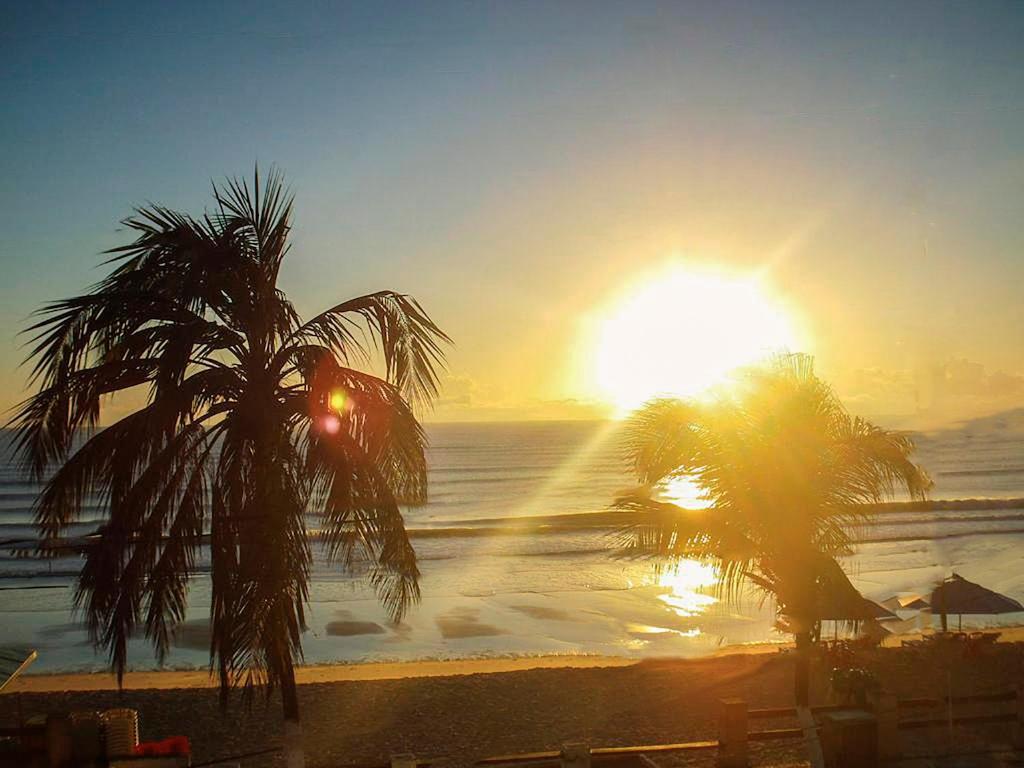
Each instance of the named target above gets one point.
<point>785,469</point>
<point>251,420</point>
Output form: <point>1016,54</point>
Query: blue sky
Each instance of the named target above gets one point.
<point>514,164</point>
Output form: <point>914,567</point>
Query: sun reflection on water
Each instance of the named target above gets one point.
<point>646,629</point>
<point>685,584</point>
<point>684,492</point>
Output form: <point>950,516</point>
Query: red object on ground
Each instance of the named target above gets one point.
<point>173,745</point>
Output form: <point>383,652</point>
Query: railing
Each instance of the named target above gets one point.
<point>734,738</point>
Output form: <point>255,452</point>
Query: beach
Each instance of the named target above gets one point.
<point>471,710</point>
<point>511,375</point>
<point>530,632</point>
<point>516,547</point>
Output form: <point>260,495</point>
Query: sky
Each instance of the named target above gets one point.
<point>520,167</point>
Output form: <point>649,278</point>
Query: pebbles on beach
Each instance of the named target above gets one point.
<point>470,716</point>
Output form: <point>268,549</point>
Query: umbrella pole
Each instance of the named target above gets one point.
<point>959,622</point>
<point>949,704</point>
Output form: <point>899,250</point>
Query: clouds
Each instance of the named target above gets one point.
<point>463,398</point>
<point>932,395</point>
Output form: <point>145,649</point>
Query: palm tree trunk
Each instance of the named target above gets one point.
<point>802,676</point>
<point>295,756</point>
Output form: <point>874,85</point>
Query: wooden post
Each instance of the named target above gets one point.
<point>887,714</point>
<point>732,734</point>
<point>1018,736</point>
<point>575,754</point>
<point>403,760</point>
<point>21,721</point>
<point>59,744</point>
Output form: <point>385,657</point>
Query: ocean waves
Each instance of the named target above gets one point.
<point>543,490</point>
<point>984,472</point>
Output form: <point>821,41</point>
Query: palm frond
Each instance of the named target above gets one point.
<point>664,531</point>
<point>113,582</point>
<point>376,418</point>
<point>361,517</point>
<point>663,437</point>
<point>226,447</point>
<point>786,471</point>
<point>410,342</point>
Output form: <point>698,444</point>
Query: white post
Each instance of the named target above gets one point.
<point>575,755</point>
<point>294,756</point>
<point>949,706</point>
<point>810,728</point>
<point>887,715</point>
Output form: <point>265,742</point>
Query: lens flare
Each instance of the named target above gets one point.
<point>330,424</point>
<point>337,401</point>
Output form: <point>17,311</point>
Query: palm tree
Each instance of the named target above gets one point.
<point>786,471</point>
<point>251,420</point>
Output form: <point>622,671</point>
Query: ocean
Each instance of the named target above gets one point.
<point>509,571</point>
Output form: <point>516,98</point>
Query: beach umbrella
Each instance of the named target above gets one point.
<point>838,600</point>
<point>856,611</point>
<point>13,661</point>
<point>958,595</point>
<point>858,608</point>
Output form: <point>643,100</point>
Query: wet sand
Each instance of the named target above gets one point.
<point>327,673</point>
<point>330,673</point>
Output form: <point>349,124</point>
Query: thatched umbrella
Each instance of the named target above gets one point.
<point>838,600</point>
<point>958,595</point>
<point>860,609</point>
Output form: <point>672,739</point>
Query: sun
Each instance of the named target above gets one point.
<point>681,331</point>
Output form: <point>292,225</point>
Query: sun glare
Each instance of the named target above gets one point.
<point>682,331</point>
<point>684,582</point>
<point>684,492</point>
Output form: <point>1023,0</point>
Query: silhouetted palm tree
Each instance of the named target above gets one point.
<point>251,419</point>
<point>785,469</point>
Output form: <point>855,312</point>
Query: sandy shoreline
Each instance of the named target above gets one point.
<point>335,673</point>
<point>321,673</point>
<point>398,670</point>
